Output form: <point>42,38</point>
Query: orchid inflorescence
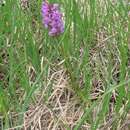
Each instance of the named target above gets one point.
<point>52,18</point>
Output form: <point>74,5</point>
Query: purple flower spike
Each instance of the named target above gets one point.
<point>52,18</point>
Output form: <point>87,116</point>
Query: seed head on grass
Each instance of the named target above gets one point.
<point>52,18</point>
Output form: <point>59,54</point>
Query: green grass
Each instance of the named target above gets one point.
<point>99,28</point>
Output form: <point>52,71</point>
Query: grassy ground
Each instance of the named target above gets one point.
<point>78,80</point>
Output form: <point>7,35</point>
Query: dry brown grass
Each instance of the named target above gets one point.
<point>60,111</point>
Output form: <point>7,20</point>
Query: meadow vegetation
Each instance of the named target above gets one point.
<point>79,80</point>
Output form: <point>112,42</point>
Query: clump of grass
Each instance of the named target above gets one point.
<point>93,51</point>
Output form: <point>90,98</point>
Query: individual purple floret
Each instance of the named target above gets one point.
<point>52,18</point>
